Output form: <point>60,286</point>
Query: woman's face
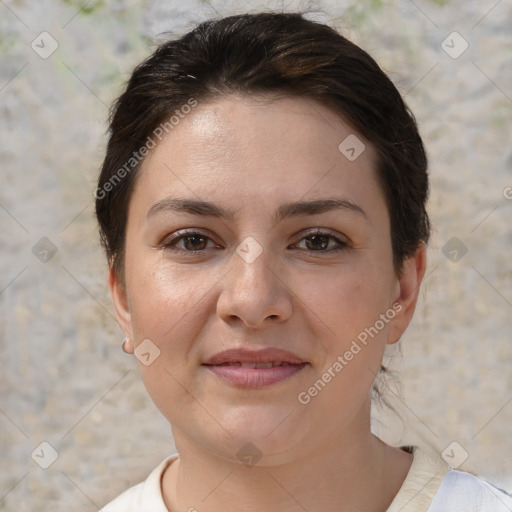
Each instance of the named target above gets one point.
<point>251,228</point>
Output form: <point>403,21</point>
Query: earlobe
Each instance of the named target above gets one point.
<point>127,346</point>
<point>408,291</point>
<point>120,302</point>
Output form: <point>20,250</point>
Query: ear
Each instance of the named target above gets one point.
<point>121,307</point>
<point>408,291</point>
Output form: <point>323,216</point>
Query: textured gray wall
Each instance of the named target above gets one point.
<point>64,378</point>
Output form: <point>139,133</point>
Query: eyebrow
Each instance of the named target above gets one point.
<point>209,209</point>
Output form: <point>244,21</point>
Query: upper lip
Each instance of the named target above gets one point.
<point>267,355</point>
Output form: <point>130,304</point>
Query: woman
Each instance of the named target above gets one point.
<point>262,207</point>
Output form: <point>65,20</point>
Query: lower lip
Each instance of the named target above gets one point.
<point>255,377</point>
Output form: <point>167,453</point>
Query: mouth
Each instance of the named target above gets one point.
<point>255,369</point>
<point>254,365</point>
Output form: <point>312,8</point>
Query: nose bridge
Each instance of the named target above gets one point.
<point>253,292</point>
<point>253,276</point>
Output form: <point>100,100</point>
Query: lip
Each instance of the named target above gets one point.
<point>266,355</point>
<point>227,365</point>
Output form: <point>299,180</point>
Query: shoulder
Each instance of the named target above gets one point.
<point>126,501</point>
<point>465,492</point>
<point>143,497</point>
<point>422,482</point>
<point>433,486</point>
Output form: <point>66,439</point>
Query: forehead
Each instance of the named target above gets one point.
<point>245,147</point>
<point>291,124</point>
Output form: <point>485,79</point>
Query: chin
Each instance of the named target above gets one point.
<point>267,433</point>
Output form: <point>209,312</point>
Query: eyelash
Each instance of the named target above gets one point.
<point>170,243</point>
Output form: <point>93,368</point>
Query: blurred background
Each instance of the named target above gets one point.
<point>76,425</point>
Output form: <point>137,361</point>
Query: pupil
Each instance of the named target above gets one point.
<point>195,240</point>
<point>321,238</point>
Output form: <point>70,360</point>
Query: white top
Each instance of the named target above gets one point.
<point>430,486</point>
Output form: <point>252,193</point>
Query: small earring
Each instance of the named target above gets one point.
<point>123,346</point>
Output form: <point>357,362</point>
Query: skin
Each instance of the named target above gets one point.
<point>251,156</point>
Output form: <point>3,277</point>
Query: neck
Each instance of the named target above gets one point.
<point>349,472</point>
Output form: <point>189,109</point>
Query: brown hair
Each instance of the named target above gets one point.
<point>258,54</point>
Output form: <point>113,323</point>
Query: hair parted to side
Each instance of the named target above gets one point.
<point>258,54</point>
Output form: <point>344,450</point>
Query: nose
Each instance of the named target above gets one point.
<point>254,293</point>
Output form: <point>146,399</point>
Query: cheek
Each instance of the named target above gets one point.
<point>168,308</point>
<point>347,301</point>
<point>348,308</point>
<point>163,299</point>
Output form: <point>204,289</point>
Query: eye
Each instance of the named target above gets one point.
<point>188,241</point>
<point>322,241</point>
<point>193,241</point>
